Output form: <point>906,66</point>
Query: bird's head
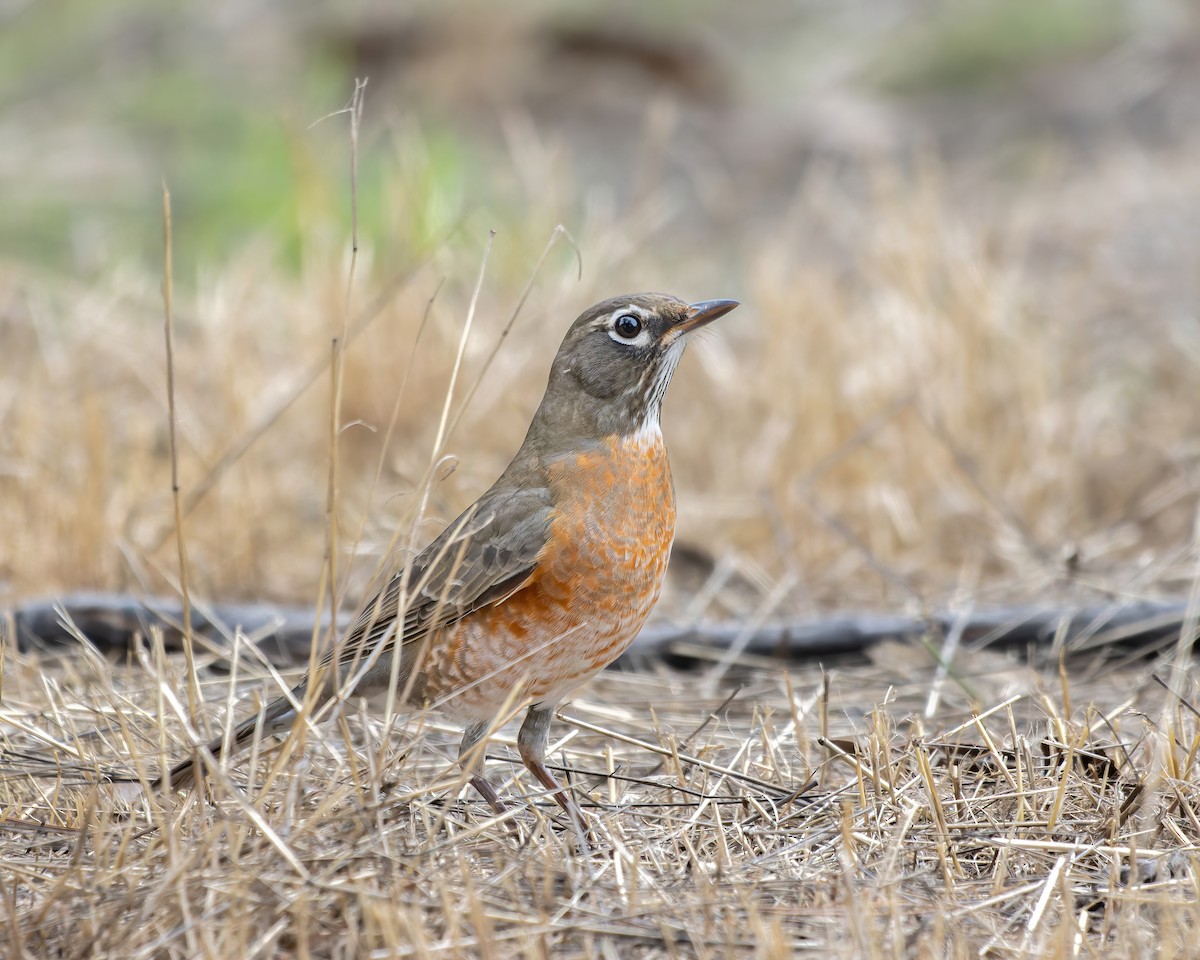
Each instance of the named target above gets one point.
<point>616,361</point>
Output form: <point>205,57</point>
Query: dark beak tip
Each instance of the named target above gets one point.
<point>708,310</point>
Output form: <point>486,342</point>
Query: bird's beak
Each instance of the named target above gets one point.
<point>703,313</point>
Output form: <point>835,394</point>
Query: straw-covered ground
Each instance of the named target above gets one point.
<point>1011,813</point>
<point>999,809</point>
<point>963,376</point>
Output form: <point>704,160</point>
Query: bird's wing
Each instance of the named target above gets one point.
<point>486,555</point>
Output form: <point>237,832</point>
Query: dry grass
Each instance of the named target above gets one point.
<point>922,399</point>
<point>1007,832</point>
<point>913,400</point>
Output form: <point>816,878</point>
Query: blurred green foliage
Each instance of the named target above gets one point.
<point>974,43</point>
<point>103,101</point>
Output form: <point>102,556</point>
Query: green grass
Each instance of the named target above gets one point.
<point>977,43</point>
<point>240,153</point>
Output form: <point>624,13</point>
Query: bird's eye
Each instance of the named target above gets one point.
<point>627,326</point>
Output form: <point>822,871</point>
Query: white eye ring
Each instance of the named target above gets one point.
<point>628,327</point>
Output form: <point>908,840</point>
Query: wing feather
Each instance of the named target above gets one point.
<point>485,556</point>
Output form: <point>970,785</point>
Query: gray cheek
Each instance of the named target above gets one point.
<point>604,374</point>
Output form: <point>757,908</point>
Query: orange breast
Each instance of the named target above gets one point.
<point>599,577</point>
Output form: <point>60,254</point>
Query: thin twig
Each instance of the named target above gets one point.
<point>193,687</point>
<point>771,788</point>
<point>559,231</point>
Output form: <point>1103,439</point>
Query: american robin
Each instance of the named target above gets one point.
<point>550,574</point>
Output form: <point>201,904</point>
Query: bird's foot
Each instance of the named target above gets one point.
<point>485,789</point>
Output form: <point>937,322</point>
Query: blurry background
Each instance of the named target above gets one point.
<point>966,235</point>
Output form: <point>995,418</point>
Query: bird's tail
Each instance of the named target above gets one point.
<point>276,715</point>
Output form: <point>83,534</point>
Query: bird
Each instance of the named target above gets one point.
<point>543,581</point>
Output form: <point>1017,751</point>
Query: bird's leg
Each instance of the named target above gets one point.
<point>532,742</point>
<point>472,737</point>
